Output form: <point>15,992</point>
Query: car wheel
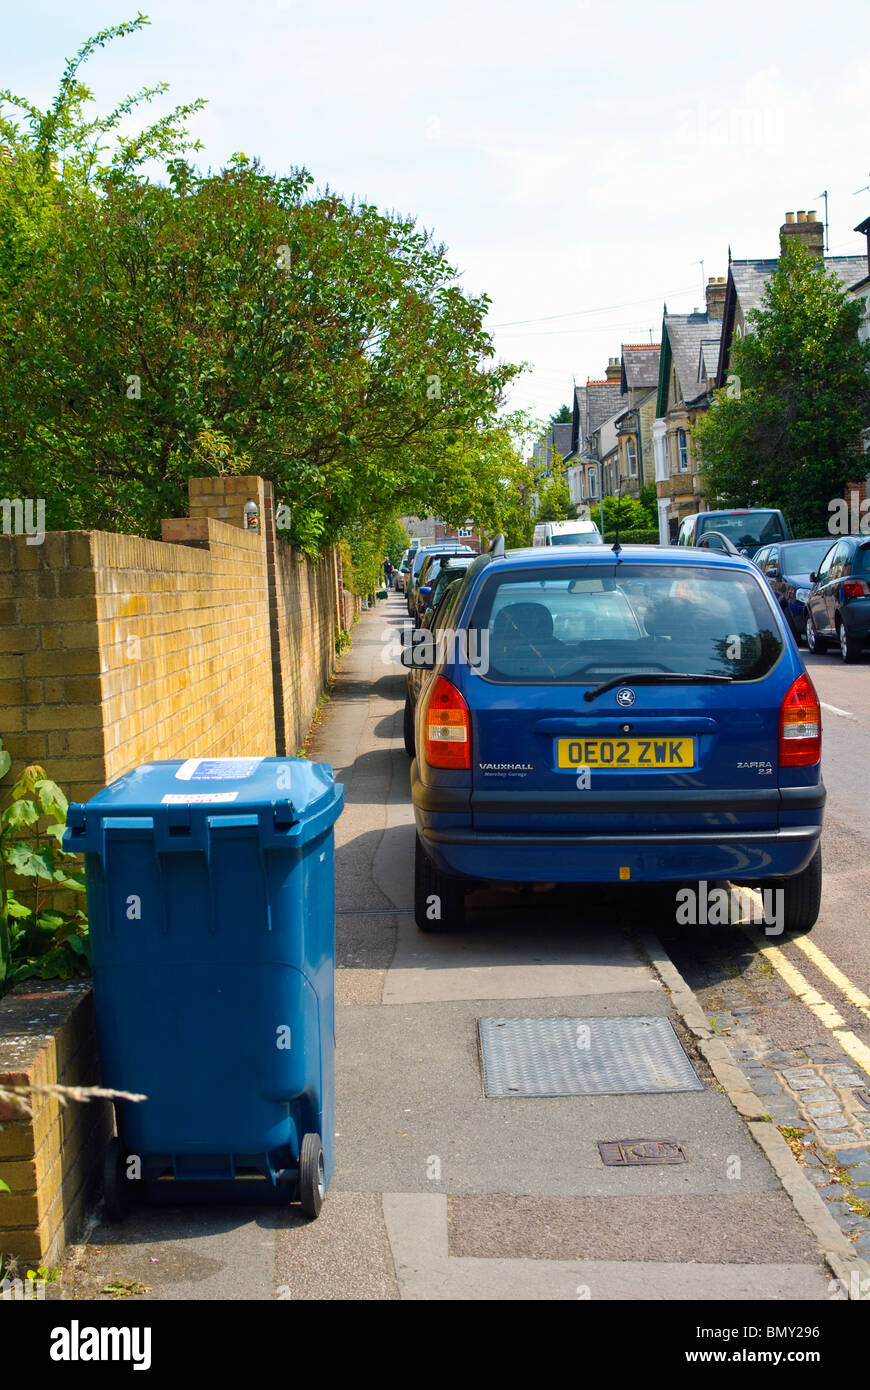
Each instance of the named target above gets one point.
<point>408,729</point>
<point>802,896</point>
<point>815,643</point>
<point>850,649</point>
<point>439,901</point>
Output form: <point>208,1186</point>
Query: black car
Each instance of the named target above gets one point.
<point>436,574</point>
<point>787,568</point>
<point>838,607</point>
<point>443,547</point>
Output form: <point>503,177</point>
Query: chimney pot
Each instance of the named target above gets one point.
<point>716,296</point>
<point>807,229</point>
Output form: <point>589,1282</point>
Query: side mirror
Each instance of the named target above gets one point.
<point>418,649</point>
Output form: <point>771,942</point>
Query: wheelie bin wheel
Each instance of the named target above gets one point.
<point>312,1175</point>
<point>116,1186</point>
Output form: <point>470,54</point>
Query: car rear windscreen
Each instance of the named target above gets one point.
<point>582,625</point>
<point>745,528</point>
<point>576,538</point>
<point>803,559</point>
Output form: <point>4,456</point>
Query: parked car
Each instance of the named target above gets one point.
<point>582,531</point>
<point>402,571</point>
<point>435,547</point>
<point>746,527</point>
<point>434,619</point>
<point>433,577</point>
<point>604,740</point>
<point>787,568</point>
<point>838,606</point>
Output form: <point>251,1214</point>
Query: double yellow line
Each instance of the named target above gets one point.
<point>804,991</point>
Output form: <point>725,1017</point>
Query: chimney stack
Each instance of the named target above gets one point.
<point>614,370</point>
<point>716,287</point>
<point>807,228</point>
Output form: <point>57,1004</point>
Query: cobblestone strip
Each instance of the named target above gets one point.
<point>812,1091</point>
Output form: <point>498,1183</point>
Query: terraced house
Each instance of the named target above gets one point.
<point>687,374</point>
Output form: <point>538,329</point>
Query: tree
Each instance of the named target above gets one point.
<point>784,432</point>
<point>554,500</point>
<point>563,416</point>
<point>233,321</point>
<point>64,133</point>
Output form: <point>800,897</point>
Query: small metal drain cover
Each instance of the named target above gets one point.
<point>583,1057</point>
<point>624,1153</point>
<point>862,1095</point>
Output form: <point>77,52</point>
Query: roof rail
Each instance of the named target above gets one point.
<point>496,548</point>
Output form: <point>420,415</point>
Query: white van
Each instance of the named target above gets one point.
<point>582,531</point>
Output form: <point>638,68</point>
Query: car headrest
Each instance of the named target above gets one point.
<point>671,617</point>
<point>529,622</point>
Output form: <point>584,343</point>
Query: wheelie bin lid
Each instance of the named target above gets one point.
<point>290,800</point>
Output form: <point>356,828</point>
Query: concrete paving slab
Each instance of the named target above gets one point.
<point>738,1228</point>
<point>519,955</point>
<point>417,1229</point>
<point>409,1090</point>
<point>344,1254</point>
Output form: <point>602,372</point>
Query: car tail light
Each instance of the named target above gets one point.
<point>447,727</point>
<point>800,726</point>
<point>855,588</point>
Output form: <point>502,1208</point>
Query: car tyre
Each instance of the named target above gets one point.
<point>802,896</point>
<point>436,892</point>
<point>850,649</point>
<point>408,728</point>
<point>816,644</point>
<point>312,1175</point>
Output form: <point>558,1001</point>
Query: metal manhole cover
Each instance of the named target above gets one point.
<point>862,1095</point>
<point>583,1057</point>
<point>625,1153</point>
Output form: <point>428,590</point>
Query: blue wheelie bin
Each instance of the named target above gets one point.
<point>211,901</point>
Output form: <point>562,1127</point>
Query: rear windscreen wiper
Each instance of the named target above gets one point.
<point>657,678</point>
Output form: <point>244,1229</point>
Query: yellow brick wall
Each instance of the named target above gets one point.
<point>51,1160</point>
<point>184,646</point>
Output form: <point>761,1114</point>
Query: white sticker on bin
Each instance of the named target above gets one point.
<point>217,769</point>
<point>185,798</point>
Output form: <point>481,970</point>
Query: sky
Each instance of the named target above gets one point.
<point>579,160</point>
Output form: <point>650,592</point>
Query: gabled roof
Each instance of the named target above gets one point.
<point>603,399</point>
<point>682,337</point>
<point>578,421</point>
<point>640,365</point>
<point>708,360</point>
<point>562,438</point>
<point>745,287</point>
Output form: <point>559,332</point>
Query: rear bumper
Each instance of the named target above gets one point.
<point>597,858</point>
<point>855,617</point>
<point>605,852</point>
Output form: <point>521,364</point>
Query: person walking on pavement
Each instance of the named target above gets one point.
<point>388,572</point>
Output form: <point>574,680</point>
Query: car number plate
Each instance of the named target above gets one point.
<point>626,753</point>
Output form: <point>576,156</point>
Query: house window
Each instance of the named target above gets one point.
<point>631,453</point>
<point>593,482</point>
<point>683,451</point>
<point>463,532</point>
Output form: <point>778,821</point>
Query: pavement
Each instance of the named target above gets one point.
<point>442,1192</point>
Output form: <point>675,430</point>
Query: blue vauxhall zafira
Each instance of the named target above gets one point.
<point>603,715</point>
